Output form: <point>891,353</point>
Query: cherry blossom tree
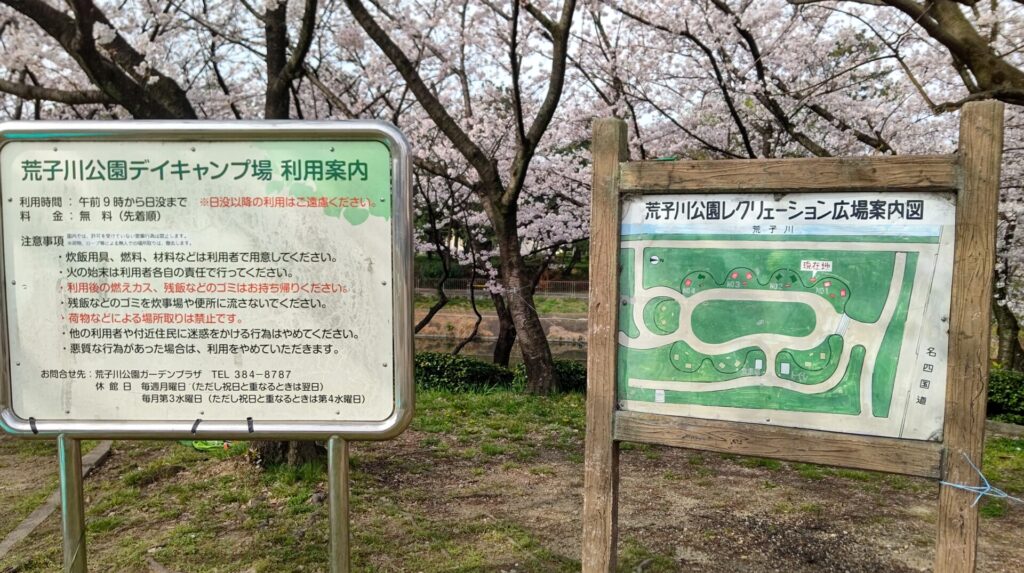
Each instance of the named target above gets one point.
<point>497,97</point>
<point>775,79</point>
<point>490,78</point>
<point>983,40</point>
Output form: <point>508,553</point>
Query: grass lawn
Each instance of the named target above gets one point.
<point>493,482</point>
<point>28,475</point>
<point>717,321</point>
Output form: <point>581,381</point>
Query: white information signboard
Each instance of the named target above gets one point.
<point>195,279</point>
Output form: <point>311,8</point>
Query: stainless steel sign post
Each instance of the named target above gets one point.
<point>205,280</point>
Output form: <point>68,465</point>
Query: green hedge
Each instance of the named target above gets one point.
<point>443,371</point>
<point>432,268</point>
<point>572,376</point>
<point>1006,396</point>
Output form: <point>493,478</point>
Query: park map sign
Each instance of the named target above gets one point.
<point>200,279</point>
<point>805,310</point>
<point>820,310</point>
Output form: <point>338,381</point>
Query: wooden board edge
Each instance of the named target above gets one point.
<point>890,455</point>
<point>882,173</point>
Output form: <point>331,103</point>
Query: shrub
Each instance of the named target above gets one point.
<point>1006,395</point>
<point>442,371</point>
<point>432,268</point>
<point>571,376</point>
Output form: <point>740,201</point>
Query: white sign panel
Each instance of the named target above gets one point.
<point>201,280</point>
<point>821,311</point>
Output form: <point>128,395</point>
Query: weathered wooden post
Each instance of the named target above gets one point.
<point>900,387</point>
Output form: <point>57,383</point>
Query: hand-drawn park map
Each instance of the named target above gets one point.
<point>808,310</point>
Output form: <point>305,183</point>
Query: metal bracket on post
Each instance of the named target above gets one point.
<point>337,500</point>
<point>72,509</point>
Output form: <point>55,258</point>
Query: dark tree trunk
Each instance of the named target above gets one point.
<point>293,453</point>
<point>518,283</point>
<point>479,317</point>
<point>506,332</point>
<point>577,256</point>
<point>277,104</point>
<point>1009,353</point>
<point>443,254</point>
<point>499,199</point>
<point>281,72</point>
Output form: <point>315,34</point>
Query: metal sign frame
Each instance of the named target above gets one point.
<point>972,174</point>
<point>237,131</point>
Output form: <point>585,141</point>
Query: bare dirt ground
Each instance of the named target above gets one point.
<point>686,511</point>
<point>484,494</point>
<point>28,473</point>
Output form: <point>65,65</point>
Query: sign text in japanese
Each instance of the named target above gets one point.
<point>200,280</point>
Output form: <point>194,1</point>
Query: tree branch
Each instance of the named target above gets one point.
<point>485,167</point>
<point>149,95</point>
<point>716,70</point>
<point>305,40</point>
<point>513,54</point>
<point>945,23</point>
<point>78,97</point>
<point>764,96</point>
<point>556,81</point>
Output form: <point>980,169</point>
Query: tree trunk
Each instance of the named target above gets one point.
<point>479,317</point>
<point>1009,353</point>
<point>277,105</point>
<point>506,332</point>
<point>293,453</point>
<point>518,284</point>
<point>577,256</point>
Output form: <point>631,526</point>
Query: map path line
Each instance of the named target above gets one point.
<point>826,323</point>
<point>926,275</point>
<point>774,342</point>
<point>649,340</point>
<point>858,334</point>
<point>871,335</point>
<point>769,380</point>
<point>771,344</point>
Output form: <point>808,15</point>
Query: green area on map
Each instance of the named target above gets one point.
<point>726,323</point>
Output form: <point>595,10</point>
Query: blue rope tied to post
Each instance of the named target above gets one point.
<point>982,490</point>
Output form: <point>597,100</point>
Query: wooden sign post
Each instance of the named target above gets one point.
<point>869,282</point>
